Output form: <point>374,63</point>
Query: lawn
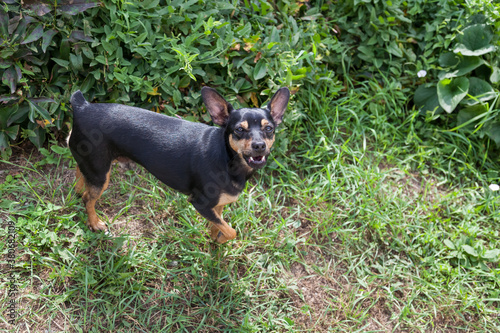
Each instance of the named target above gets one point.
<point>362,221</point>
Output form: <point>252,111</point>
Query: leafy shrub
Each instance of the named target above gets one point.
<point>451,41</point>
<point>155,54</point>
<point>32,83</point>
<point>396,38</point>
<point>469,77</point>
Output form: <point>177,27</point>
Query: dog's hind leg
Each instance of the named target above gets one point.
<point>80,181</point>
<point>90,196</point>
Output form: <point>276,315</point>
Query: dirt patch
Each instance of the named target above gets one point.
<point>318,298</point>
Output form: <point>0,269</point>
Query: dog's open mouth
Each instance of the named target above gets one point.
<point>256,161</point>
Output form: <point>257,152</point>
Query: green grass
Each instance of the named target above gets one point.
<point>366,221</point>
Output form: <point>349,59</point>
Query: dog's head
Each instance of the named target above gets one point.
<point>250,131</point>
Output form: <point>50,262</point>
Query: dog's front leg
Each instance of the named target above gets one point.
<point>219,229</point>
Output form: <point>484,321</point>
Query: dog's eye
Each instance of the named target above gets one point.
<point>240,129</point>
<point>268,129</point>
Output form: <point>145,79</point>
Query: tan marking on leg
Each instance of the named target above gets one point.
<point>90,197</point>
<point>80,181</point>
<point>228,233</point>
<point>226,199</point>
<point>106,184</point>
<point>214,231</point>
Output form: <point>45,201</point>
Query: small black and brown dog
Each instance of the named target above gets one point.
<point>210,164</point>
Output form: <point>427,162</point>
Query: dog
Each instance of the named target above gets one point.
<point>209,164</point>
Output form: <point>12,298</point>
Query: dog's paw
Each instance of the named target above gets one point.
<point>221,238</point>
<point>97,226</point>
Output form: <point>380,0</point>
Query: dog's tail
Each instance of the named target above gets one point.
<point>77,100</point>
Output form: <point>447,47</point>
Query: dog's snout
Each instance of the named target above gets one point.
<point>259,146</point>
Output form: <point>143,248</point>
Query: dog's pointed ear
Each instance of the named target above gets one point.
<point>278,104</point>
<point>217,106</point>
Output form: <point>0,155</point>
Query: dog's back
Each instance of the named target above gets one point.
<point>167,147</point>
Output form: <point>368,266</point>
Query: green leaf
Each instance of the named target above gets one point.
<point>88,83</point>
<point>4,23</point>
<point>36,109</point>
<point>426,99</point>
<point>465,66</point>
<point>480,90</point>
<point>17,114</point>
<point>448,59</point>
<point>495,75</point>
<point>4,141</point>
<point>9,78</point>
<point>451,91</point>
<point>367,51</point>
<point>121,77</point>
<point>4,115</point>
<point>493,133</point>
<point>108,47</point>
<point>245,30</point>
<point>394,49</point>
<point>37,136</point>
<point>449,244</point>
<point>12,132</point>
<point>35,35</point>
<point>59,150</point>
<point>76,61</point>
<point>73,9</point>
<point>491,254</point>
<point>470,250</point>
<point>260,70</point>
<point>148,4</point>
<point>47,38</point>
<point>61,62</point>
<point>88,52</point>
<point>468,64</point>
<point>467,114</point>
<point>42,100</point>
<point>475,41</point>
<point>466,52</point>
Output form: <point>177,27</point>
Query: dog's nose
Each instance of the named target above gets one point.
<point>259,147</point>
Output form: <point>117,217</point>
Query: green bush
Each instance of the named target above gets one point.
<point>158,54</point>
<point>395,38</point>
<point>446,50</point>
<point>469,78</point>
